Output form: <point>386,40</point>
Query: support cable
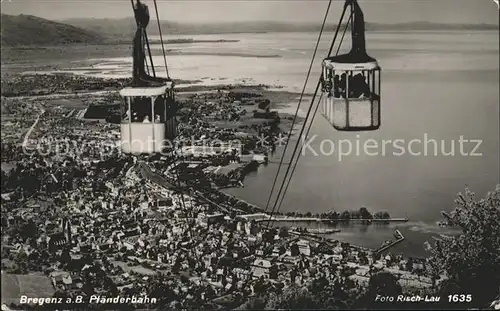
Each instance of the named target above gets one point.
<point>306,118</point>
<point>161,40</point>
<point>145,59</point>
<point>298,107</point>
<point>310,124</point>
<point>295,117</point>
<point>149,52</point>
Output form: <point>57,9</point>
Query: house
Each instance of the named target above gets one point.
<point>261,267</point>
<point>242,274</point>
<point>85,248</point>
<point>300,247</point>
<point>211,219</point>
<point>131,232</point>
<point>57,241</point>
<point>61,279</point>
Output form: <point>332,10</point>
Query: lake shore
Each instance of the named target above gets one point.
<point>27,58</point>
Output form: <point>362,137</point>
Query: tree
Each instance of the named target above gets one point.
<point>365,214</point>
<point>384,283</point>
<point>283,233</point>
<point>254,303</point>
<point>269,235</point>
<point>293,298</point>
<point>409,264</point>
<point>345,216</point>
<point>472,259</point>
<point>29,230</point>
<point>265,105</point>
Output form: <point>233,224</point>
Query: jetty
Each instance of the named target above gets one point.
<point>322,231</point>
<point>291,219</point>
<point>313,235</point>
<point>386,246</point>
<point>312,219</point>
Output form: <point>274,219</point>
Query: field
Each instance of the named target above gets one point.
<point>15,285</point>
<point>17,59</point>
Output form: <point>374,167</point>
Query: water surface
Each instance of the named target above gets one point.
<point>440,86</point>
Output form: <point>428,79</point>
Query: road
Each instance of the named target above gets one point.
<point>27,136</point>
<point>62,95</point>
<point>147,173</point>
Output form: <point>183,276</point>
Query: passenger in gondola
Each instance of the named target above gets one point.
<point>328,83</point>
<point>351,87</point>
<point>135,117</point>
<point>360,88</point>
<point>343,84</point>
<point>336,86</point>
<point>159,108</point>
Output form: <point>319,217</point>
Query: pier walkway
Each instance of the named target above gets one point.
<point>386,247</point>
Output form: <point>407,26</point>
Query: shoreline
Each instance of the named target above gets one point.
<point>251,209</point>
<point>16,59</point>
<point>281,100</point>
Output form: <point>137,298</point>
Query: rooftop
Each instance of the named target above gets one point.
<point>146,91</point>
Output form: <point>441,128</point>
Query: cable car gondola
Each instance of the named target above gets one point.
<point>148,109</point>
<point>351,82</point>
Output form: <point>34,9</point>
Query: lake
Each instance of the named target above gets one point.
<point>441,86</point>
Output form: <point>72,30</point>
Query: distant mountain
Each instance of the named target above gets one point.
<point>429,26</point>
<point>111,28</point>
<point>124,28</point>
<point>31,30</point>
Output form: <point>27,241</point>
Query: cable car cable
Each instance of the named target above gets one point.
<point>149,52</point>
<point>168,76</point>
<point>145,35</point>
<point>308,114</point>
<point>145,59</point>
<point>310,108</point>
<point>296,114</point>
<point>310,124</point>
<point>161,39</point>
<point>298,105</point>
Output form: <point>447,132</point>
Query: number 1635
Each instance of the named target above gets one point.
<point>459,298</point>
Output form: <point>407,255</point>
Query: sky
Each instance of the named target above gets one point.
<point>299,11</point>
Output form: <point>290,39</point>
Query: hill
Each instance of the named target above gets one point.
<point>124,28</point>
<point>31,30</point>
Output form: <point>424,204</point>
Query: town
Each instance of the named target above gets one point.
<point>91,221</point>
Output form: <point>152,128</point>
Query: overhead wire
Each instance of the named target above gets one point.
<point>145,59</point>
<point>298,105</point>
<point>146,39</point>
<point>177,177</point>
<point>312,120</point>
<point>161,39</point>
<point>296,114</point>
<point>149,52</point>
<point>306,118</point>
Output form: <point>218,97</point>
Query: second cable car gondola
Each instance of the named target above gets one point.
<point>351,82</point>
<point>149,107</point>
